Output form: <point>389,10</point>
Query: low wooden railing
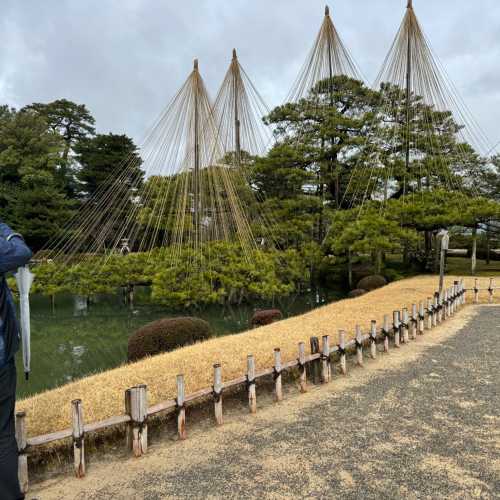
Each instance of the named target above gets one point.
<point>405,325</point>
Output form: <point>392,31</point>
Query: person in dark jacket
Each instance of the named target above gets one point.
<point>13,254</point>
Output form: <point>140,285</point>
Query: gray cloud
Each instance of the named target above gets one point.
<point>125,59</point>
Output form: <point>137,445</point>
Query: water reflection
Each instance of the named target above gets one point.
<point>79,337</point>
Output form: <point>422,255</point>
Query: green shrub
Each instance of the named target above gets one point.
<point>166,335</point>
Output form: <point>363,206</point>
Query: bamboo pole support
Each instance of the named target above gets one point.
<point>78,437</point>
<point>359,346</point>
<point>278,386</point>
<point>343,361</point>
<point>314,366</point>
<point>385,332</point>
<point>302,367</point>
<point>476,292</point>
<point>421,317</point>
<point>373,339</point>
<point>181,407</point>
<point>22,444</point>
<point>404,326</point>
<point>325,360</point>
<point>396,326</point>
<point>217,392</point>
<point>491,291</point>
<point>138,415</point>
<point>252,395</point>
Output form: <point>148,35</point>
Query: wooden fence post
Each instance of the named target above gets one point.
<point>430,314</point>
<point>463,291</point>
<point>22,444</point>
<point>78,437</point>
<point>315,366</point>
<point>302,367</point>
<point>181,407</point>
<point>439,307</point>
<point>446,310</point>
<point>139,415</point>
<point>217,392</point>
<point>396,325</point>
<point>252,395</point>
<point>491,291</point>
<point>385,332</point>
<point>343,363</point>
<point>435,309</point>
<point>404,325</point>
<point>278,386</point>
<point>476,292</point>
<point>325,360</point>
<point>129,433</point>
<point>373,339</point>
<point>359,346</point>
<point>413,322</point>
<point>421,317</point>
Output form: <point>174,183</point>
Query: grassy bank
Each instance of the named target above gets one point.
<point>102,394</point>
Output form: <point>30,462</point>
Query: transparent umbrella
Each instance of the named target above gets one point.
<point>24,279</point>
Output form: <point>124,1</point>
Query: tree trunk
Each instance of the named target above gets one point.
<point>349,268</point>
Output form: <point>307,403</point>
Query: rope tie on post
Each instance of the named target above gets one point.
<point>216,394</point>
<point>341,350</point>
<point>276,373</point>
<point>250,382</point>
<point>357,343</point>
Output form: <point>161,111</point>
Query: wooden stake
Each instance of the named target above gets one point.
<point>314,366</point>
<point>404,326</point>
<point>421,317</point>
<point>476,292</point>
<point>22,463</point>
<point>413,322</point>
<point>78,438</point>
<point>278,386</point>
<point>218,394</point>
<point>430,314</point>
<point>435,307</point>
<point>373,339</point>
<point>491,291</point>
<point>302,367</point>
<point>139,414</point>
<point>252,395</point>
<point>343,364</point>
<point>325,360</point>
<point>385,331</point>
<point>359,346</point>
<point>129,432</point>
<point>181,407</point>
<point>396,326</point>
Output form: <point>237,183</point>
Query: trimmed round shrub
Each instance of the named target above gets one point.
<point>357,292</point>
<point>166,335</point>
<point>372,282</point>
<point>265,317</point>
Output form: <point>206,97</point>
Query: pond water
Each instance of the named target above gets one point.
<point>70,341</point>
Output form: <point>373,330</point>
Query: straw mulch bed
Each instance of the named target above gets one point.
<point>102,394</point>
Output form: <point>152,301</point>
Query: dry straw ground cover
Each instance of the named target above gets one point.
<point>103,394</point>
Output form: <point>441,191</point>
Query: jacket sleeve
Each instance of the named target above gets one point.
<point>14,252</point>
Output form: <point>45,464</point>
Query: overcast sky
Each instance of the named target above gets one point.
<point>125,59</point>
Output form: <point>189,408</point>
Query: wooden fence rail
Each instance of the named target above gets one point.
<point>315,366</point>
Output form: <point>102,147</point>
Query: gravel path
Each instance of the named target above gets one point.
<point>421,422</point>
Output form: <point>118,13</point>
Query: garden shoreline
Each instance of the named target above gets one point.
<point>102,394</point>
